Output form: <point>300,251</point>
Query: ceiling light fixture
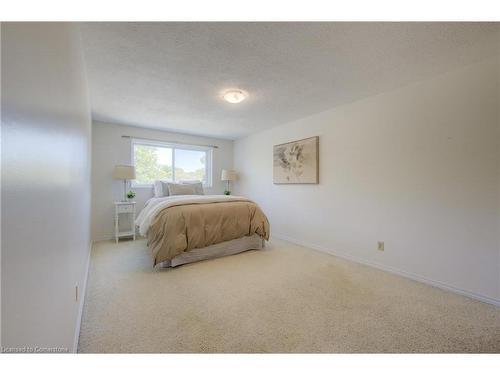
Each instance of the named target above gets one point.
<point>234,96</point>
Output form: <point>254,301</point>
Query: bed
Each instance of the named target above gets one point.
<point>182,229</point>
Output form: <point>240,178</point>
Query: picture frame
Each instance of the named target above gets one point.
<point>296,162</point>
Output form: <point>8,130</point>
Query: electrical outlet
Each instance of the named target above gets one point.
<point>76,293</point>
<point>380,245</point>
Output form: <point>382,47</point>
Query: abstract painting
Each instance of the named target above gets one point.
<point>296,162</point>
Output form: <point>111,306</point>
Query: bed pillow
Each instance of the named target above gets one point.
<point>160,188</point>
<point>182,189</point>
<point>197,184</point>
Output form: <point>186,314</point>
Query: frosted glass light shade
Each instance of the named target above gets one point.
<point>234,96</point>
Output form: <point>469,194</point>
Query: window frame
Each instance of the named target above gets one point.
<point>207,149</point>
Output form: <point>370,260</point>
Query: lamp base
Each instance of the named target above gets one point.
<point>124,191</point>
<point>227,191</point>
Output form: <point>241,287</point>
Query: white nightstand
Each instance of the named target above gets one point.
<point>124,209</point>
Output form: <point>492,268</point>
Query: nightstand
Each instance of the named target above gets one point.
<point>124,209</point>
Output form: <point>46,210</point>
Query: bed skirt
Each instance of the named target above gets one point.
<point>254,242</point>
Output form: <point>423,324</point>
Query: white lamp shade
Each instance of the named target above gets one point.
<point>124,172</point>
<point>228,175</point>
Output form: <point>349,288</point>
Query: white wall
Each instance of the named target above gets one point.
<point>416,168</point>
<point>45,183</point>
<point>498,163</point>
<point>109,149</point>
<point>0,185</point>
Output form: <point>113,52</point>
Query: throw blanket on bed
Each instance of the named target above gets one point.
<point>184,222</point>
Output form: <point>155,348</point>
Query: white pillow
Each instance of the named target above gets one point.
<point>159,190</point>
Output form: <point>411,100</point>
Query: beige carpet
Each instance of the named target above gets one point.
<point>285,298</point>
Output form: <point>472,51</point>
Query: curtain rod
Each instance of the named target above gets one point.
<point>174,142</point>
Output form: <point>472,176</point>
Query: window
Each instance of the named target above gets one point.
<point>166,161</point>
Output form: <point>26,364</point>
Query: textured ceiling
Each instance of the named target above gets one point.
<point>170,75</point>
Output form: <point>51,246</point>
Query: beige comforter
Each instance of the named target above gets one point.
<point>182,223</point>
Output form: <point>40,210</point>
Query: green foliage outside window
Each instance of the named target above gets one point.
<point>148,168</point>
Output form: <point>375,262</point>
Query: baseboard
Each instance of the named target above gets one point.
<point>82,292</point>
<point>103,238</point>
<point>408,275</point>
<point>110,236</point>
